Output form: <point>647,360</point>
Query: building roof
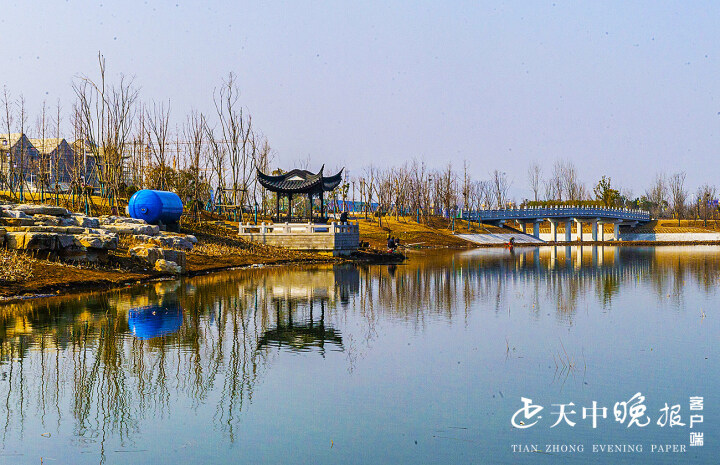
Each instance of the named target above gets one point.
<point>14,138</point>
<point>46,146</point>
<point>300,181</point>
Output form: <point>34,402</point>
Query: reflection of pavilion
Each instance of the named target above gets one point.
<point>303,335</point>
<point>331,284</point>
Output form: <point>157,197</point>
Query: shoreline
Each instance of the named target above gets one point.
<point>113,281</point>
<point>102,280</point>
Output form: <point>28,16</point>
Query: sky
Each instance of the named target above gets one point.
<point>623,89</point>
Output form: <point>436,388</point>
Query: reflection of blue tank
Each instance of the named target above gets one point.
<point>155,206</point>
<point>155,320</point>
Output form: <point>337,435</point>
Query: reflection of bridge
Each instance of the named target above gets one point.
<point>567,215</point>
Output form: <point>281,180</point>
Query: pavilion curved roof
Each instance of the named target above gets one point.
<point>299,181</point>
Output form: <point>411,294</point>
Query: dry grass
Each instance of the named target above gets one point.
<point>217,249</point>
<point>14,266</point>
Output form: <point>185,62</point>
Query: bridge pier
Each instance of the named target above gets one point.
<point>579,230</point>
<point>616,231</point>
<point>553,231</point>
<point>594,225</point>
<point>568,230</point>
<point>535,227</point>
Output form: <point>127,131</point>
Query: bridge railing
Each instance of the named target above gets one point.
<point>556,212</point>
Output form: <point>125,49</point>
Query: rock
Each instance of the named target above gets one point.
<point>97,241</point>
<point>149,254</point>
<point>107,219</point>
<point>165,266</point>
<point>132,229</point>
<point>175,242</point>
<point>47,220</point>
<point>2,237</point>
<point>30,209</point>
<point>48,229</point>
<point>191,238</point>
<point>84,221</point>
<point>14,214</point>
<point>27,221</point>
<point>177,256</point>
<point>49,242</point>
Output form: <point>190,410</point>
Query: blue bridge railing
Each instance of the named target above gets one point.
<point>560,212</point>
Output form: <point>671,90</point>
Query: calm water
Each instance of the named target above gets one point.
<point>424,362</point>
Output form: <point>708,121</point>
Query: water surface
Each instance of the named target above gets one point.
<point>424,362</point>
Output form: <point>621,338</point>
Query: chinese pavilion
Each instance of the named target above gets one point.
<point>299,182</point>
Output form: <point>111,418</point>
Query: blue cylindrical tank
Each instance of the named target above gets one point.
<point>155,206</point>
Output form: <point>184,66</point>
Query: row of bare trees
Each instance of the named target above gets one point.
<point>122,144</point>
<point>416,190</point>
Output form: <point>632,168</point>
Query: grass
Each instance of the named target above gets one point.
<point>14,266</point>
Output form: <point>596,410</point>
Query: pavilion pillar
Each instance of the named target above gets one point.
<point>289,207</point>
<point>277,205</point>
<point>310,198</point>
<point>322,205</point>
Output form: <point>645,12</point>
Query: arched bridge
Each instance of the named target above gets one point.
<point>562,214</point>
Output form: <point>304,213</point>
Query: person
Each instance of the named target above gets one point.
<point>391,244</point>
<point>343,218</point>
<point>511,243</point>
<point>397,242</point>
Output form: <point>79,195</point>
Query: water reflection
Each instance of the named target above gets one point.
<point>155,320</point>
<point>108,363</point>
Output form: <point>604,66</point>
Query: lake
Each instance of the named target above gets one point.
<point>430,361</point>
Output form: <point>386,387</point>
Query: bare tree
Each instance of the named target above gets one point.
<point>158,122</point>
<point>106,115</point>
<point>8,165</point>
<point>657,196</point>
<point>705,202</point>
<point>217,161</point>
<point>500,188</point>
<point>23,161</point>
<point>534,173</point>
<point>574,189</point>
<point>195,135</point>
<point>676,183</point>
<point>236,129</point>
<point>56,160</point>
<point>466,186</point>
<point>42,164</point>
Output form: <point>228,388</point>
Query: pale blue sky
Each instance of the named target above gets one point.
<point>624,89</point>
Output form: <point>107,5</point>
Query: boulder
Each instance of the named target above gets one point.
<point>2,237</point>
<point>14,214</point>
<point>148,254</point>
<point>27,221</point>
<point>165,266</point>
<point>191,238</point>
<point>30,209</point>
<point>84,221</point>
<point>177,256</point>
<point>107,219</point>
<point>132,229</point>
<point>97,241</point>
<point>40,241</point>
<point>47,220</point>
<point>174,242</point>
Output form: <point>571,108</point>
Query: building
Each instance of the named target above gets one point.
<point>56,159</point>
<point>18,156</point>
